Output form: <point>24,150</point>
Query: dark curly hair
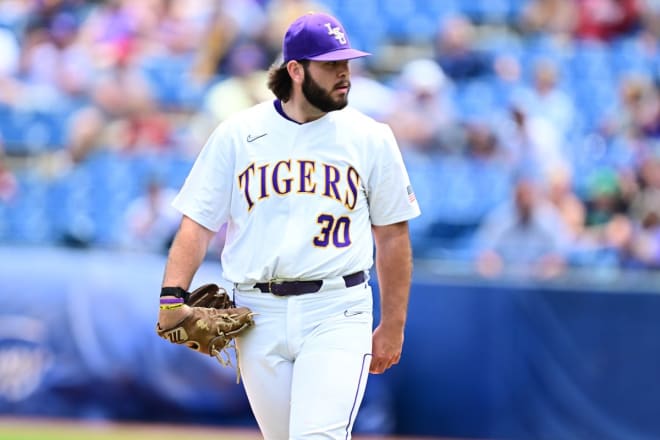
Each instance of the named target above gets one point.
<point>279,81</point>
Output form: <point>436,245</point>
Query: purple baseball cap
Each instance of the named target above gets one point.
<point>318,37</point>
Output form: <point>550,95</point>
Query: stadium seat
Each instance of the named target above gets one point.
<point>628,56</point>
<point>170,82</point>
<point>475,99</point>
<point>4,223</point>
<point>27,132</point>
<point>27,219</point>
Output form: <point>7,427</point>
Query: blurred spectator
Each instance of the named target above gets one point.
<point>8,183</point>
<point>650,17</point>
<point>603,197</point>
<point>483,145</point>
<point>111,30</point>
<point>606,19</point>
<point>507,79</point>
<point>546,100</point>
<point>220,34</point>
<point>123,116</point>
<point>456,52</point>
<point>637,113</point>
<point>63,60</point>
<point>532,142</point>
<point>10,50</point>
<point>554,17</point>
<point>606,225</point>
<point>644,249</point>
<point>150,220</point>
<point>280,13</point>
<point>245,85</point>
<point>144,126</point>
<point>228,26</point>
<point>157,75</point>
<point>566,202</point>
<point>55,68</point>
<point>43,12</point>
<point>177,26</point>
<point>423,117</point>
<point>9,64</point>
<point>368,93</point>
<point>13,13</point>
<point>526,236</point>
<point>629,131</point>
<point>645,205</point>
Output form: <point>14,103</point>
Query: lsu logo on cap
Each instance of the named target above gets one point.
<point>336,32</point>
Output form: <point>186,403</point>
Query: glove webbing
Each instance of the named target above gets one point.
<point>224,357</point>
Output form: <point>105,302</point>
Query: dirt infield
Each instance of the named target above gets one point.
<point>53,429</point>
<point>29,429</point>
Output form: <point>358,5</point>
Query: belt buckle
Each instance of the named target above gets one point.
<point>273,282</point>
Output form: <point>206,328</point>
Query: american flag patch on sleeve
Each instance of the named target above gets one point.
<point>411,194</point>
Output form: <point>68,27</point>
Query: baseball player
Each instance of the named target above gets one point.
<point>306,186</point>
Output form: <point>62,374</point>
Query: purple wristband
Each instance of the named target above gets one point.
<point>171,300</point>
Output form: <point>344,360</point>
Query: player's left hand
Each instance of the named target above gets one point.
<point>207,323</point>
<point>386,347</point>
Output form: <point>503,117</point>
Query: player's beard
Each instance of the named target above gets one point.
<point>319,97</point>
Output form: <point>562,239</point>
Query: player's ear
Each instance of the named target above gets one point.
<point>296,71</point>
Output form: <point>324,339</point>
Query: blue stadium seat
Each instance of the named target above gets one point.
<point>464,192</point>
<point>25,132</point>
<point>456,195</point>
<point>590,60</point>
<point>170,80</point>
<point>475,99</point>
<point>4,222</point>
<point>420,27</point>
<point>592,97</point>
<point>628,56</point>
<point>488,11</point>
<point>70,205</point>
<point>396,15</point>
<point>438,9</point>
<point>495,11</point>
<point>175,171</point>
<point>27,217</point>
<point>542,46</point>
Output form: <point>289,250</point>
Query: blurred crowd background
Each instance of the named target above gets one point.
<point>530,128</point>
<point>531,132</point>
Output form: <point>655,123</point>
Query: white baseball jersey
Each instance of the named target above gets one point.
<point>298,199</point>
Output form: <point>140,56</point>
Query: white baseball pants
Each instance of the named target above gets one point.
<point>305,363</point>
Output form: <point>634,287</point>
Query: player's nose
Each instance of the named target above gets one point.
<point>343,70</point>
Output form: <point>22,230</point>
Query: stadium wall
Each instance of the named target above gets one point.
<point>576,359</point>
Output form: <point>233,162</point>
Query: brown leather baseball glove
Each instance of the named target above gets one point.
<point>207,323</point>
<point>209,295</point>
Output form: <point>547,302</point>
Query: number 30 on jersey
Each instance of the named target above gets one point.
<point>334,231</point>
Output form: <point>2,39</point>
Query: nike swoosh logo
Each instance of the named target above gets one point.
<point>348,313</point>
<point>251,138</point>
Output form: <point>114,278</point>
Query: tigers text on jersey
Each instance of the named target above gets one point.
<point>299,199</point>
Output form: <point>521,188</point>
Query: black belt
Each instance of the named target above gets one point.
<point>287,288</point>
